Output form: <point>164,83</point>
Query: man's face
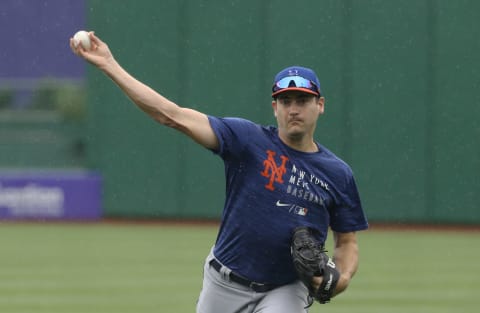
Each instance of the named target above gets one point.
<point>297,113</point>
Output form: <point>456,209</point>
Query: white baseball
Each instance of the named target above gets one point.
<point>81,37</point>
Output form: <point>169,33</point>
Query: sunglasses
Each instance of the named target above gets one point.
<point>295,81</point>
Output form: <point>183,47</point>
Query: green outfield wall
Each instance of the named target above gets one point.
<point>401,80</point>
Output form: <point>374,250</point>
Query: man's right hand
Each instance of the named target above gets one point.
<point>99,53</point>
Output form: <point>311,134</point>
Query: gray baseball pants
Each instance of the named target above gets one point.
<point>220,295</point>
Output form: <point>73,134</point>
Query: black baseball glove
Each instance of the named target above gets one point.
<point>310,259</point>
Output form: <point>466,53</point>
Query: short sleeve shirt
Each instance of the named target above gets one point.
<point>272,189</point>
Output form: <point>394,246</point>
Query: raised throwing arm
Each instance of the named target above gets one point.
<point>191,122</point>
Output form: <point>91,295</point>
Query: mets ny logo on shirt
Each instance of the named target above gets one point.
<point>299,182</point>
<point>272,171</point>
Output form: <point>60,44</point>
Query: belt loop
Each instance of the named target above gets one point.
<point>225,272</point>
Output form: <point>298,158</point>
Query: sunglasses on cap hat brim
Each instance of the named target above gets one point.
<point>295,83</point>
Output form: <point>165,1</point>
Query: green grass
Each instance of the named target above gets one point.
<point>415,272</point>
<point>158,268</point>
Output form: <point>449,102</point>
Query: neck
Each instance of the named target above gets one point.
<point>303,144</point>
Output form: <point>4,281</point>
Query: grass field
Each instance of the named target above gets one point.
<point>111,268</point>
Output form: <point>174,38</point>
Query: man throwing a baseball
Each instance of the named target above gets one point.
<point>284,191</point>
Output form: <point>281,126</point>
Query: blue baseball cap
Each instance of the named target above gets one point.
<point>296,78</point>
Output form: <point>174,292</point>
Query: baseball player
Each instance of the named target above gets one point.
<point>284,190</point>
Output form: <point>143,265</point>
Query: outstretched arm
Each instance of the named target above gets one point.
<point>192,123</point>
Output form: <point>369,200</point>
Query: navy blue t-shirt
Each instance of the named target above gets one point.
<point>272,189</point>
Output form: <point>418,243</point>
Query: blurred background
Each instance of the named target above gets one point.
<point>400,78</point>
<point>401,81</point>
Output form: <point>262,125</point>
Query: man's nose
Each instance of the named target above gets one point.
<point>294,108</point>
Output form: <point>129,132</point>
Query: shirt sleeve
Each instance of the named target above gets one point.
<point>232,134</point>
<point>348,215</point>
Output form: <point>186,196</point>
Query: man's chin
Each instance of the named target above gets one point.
<point>296,133</point>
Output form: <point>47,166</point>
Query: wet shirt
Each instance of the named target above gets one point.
<point>272,189</point>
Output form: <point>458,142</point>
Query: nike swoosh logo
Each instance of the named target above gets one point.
<point>282,204</point>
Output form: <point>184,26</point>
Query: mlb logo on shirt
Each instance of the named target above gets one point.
<point>300,211</point>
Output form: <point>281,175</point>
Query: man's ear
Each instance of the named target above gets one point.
<point>274,106</point>
<point>321,103</point>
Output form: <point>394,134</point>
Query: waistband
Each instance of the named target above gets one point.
<point>257,287</point>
